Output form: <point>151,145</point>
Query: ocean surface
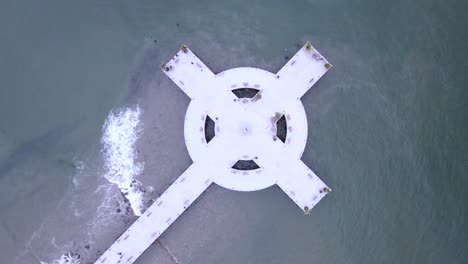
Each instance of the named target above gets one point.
<point>91,130</point>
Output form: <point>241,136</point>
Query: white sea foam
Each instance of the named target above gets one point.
<point>68,258</point>
<point>120,133</point>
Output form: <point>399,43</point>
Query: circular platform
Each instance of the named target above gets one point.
<point>244,120</point>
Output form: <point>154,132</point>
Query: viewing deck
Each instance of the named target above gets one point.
<point>245,129</point>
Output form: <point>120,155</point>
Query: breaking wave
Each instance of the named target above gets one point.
<point>67,258</point>
<point>120,133</point>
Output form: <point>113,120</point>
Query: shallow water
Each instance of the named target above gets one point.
<point>387,129</point>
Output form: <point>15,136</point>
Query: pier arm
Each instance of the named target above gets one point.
<point>302,185</point>
<point>302,71</point>
<point>158,217</point>
<point>188,72</point>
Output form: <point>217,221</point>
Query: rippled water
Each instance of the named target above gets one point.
<point>89,122</point>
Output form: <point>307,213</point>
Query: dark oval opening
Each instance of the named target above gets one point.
<point>209,129</point>
<point>281,129</point>
<point>245,92</point>
<point>245,165</point>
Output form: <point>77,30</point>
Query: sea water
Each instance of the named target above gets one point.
<point>92,131</point>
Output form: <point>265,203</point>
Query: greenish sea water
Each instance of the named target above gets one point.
<point>388,128</point>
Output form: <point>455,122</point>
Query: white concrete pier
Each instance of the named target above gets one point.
<point>245,129</point>
<point>158,217</point>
